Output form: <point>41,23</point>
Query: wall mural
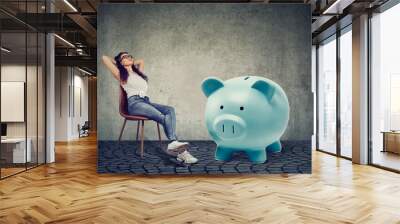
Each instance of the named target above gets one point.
<point>204,88</point>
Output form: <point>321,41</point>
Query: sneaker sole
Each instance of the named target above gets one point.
<point>176,151</point>
<point>181,160</point>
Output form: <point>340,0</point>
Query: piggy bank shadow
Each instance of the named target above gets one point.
<point>240,157</point>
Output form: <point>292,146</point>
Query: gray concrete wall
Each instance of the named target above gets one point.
<point>182,44</point>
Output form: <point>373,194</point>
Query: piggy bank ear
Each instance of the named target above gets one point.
<point>210,85</point>
<point>265,88</point>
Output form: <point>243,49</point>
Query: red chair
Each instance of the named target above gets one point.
<point>123,110</point>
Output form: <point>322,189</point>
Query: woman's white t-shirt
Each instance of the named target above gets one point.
<point>135,85</point>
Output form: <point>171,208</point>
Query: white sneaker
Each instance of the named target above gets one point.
<point>176,147</point>
<point>186,157</point>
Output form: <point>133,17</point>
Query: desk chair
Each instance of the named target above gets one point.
<point>123,111</point>
<point>83,131</point>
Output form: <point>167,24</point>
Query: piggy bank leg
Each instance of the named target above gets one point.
<point>275,147</point>
<point>223,154</point>
<point>257,156</point>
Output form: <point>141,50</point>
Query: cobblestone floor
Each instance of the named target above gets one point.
<point>114,157</point>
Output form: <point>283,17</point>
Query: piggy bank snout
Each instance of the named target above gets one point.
<point>229,126</point>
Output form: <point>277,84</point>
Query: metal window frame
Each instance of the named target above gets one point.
<point>387,5</point>
<point>339,32</point>
<point>44,74</point>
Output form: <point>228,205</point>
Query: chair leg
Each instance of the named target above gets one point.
<point>159,134</point>
<point>142,138</point>
<point>122,131</point>
<point>137,130</point>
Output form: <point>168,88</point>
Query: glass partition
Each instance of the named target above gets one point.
<point>14,145</point>
<point>22,66</point>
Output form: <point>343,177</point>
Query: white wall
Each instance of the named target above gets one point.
<point>34,125</point>
<point>14,72</point>
<point>79,117</point>
<point>61,103</point>
<point>69,82</point>
<point>17,72</point>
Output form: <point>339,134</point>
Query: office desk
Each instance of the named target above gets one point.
<point>16,148</point>
<point>391,141</point>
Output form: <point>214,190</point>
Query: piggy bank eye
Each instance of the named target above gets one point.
<point>221,107</point>
<point>241,108</point>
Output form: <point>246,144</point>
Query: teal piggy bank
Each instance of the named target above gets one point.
<point>247,113</point>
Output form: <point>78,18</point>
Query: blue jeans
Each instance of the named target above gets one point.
<point>163,114</point>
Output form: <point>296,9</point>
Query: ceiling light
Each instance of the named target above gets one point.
<point>337,7</point>
<point>84,71</point>
<point>5,50</point>
<point>331,7</point>
<point>70,5</point>
<point>65,41</point>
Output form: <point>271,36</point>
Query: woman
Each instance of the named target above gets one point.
<point>129,73</point>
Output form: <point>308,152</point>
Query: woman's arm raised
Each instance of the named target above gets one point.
<point>110,64</point>
<point>140,62</point>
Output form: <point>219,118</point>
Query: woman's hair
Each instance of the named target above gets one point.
<point>122,70</point>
